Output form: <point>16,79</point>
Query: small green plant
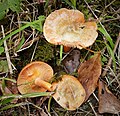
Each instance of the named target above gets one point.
<point>71,3</point>
<point>1,50</point>
<point>109,45</point>
<point>5,5</point>
<point>3,66</point>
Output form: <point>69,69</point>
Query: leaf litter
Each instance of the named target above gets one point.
<point>88,79</point>
<point>108,103</point>
<point>71,62</point>
<point>89,73</point>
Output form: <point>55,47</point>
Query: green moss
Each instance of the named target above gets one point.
<point>44,52</point>
<point>3,66</point>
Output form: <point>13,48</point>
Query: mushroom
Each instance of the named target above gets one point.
<point>35,77</point>
<point>68,27</point>
<point>69,93</point>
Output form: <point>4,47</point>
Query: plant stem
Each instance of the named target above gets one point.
<point>49,103</point>
<point>61,51</point>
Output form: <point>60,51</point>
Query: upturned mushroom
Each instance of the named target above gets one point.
<point>69,93</point>
<point>68,27</point>
<point>35,77</point>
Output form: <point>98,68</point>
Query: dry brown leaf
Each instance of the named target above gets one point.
<point>88,74</point>
<point>6,90</point>
<point>71,62</point>
<point>108,103</point>
<point>12,87</point>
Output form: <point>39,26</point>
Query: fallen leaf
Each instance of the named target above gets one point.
<point>72,61</point>
<point>88,74</point>
<point>6,90</point>
<point>108,103</point>
<point>12,87</point>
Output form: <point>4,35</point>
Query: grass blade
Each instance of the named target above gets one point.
<point>21,43</point>
<point>8,79</point>
<point>72,3</point>
<point>13,105</point>
<point>111,53</point>
<point>5,101</point>
<point>29,95</point>
<point>107,36</point>
<point>1,50</point>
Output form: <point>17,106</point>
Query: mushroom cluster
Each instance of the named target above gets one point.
<point>68,27</point>
<point>61,27</point>
<point>34,77</point>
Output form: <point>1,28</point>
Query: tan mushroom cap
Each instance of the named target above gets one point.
<point>68,27</point>
<point>70,94</point>
<point>31,75</point>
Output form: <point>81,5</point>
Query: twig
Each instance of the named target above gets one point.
<point>34,48</point>
<point>118,18</point>
<point>110,60</point>
<point>25,43</point>
<point>6,52</point>
<point>116,78</point>
<point>92,11</point>
<point>95,97</point>
<point>28,44</point>
<point>92,108</point>
<point>109,4</point>
<point>47,111</point>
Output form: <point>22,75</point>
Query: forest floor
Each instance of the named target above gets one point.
<point>20,45</point>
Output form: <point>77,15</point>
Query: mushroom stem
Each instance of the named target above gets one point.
<point>66,49</point>
<point>43,84</point>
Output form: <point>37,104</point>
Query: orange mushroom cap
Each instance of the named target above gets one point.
<point>34,74</point>
<point>70,94</point>
<point>68,27</point>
